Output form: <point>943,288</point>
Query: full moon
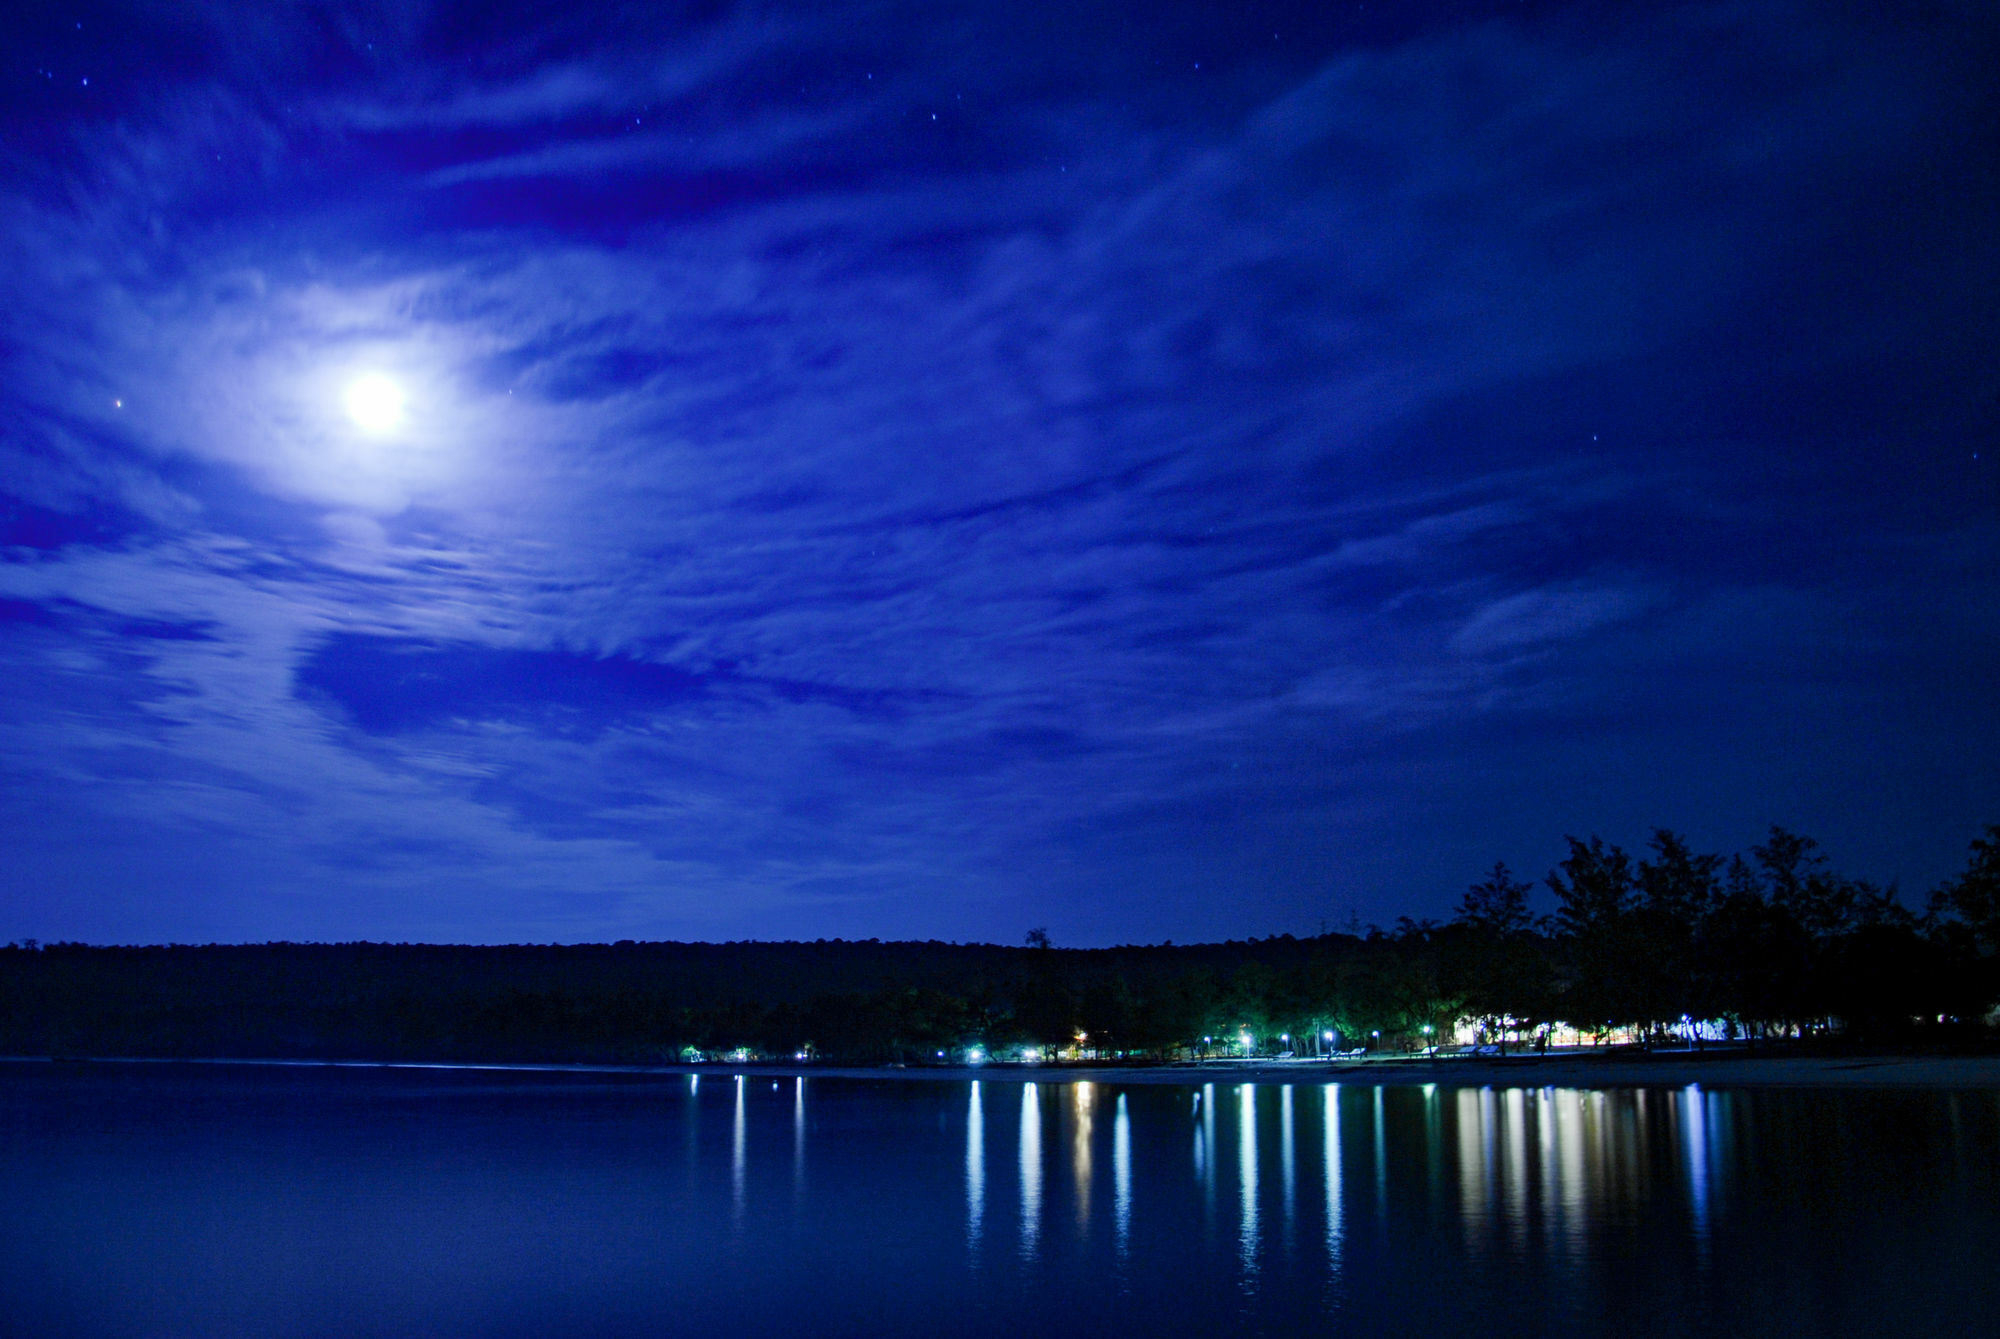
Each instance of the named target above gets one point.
<point>375,403</point>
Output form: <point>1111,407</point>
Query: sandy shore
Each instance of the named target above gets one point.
<point>1617,1070</point>
<point>1586,1069</point>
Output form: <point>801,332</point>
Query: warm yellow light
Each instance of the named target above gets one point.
<point>375,403</point>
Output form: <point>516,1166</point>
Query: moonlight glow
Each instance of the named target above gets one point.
<point>781,469</point>
<point>375,403</point>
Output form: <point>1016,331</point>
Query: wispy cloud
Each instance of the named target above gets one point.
<point>825,488</point>
<point>1537,618</point>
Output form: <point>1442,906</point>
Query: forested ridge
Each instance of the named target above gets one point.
<point>1769,943</point>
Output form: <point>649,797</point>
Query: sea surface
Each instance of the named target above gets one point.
<point>164,1200</point>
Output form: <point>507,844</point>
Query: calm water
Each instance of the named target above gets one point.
<point>193,1200</point>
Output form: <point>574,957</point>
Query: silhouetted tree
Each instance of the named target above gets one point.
<point>1499,962</point>
<point>1771,940</point>
<point>1973,898</point>
<point>1800,884</point>
<point>1751,958</point>
<point>1678,890</point>
<point>1964,918</point>
<point>1595,899</point>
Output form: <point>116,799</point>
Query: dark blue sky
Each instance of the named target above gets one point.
<point>908,471</point>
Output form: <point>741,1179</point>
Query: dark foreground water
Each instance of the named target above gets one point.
<point>210,1200</point>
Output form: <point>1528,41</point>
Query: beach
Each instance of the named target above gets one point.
<point>1578,1069</point>
<point>1674,1069</point>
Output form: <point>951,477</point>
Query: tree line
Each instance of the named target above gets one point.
<point>1666,942</point>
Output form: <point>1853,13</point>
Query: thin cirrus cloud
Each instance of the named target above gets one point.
<point>916,486</point>
<point>1538,618</point>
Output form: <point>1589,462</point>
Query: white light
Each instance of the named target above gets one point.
<point>375,403</point>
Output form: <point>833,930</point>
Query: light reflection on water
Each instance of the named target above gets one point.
<point>975,1169</point>
<point>738,1166</point>
<point>1247,1239</point>
<point>1330,1164</point>
<point>366,1202</point>
<point>1526,1166</point>
<point>1085,1097</point>
<point>1121,1173</point>
<point>1381,1160</point>
<point>1288,1161</point>
<point>798,1135</point>
<point>1694,1133</point>
<point>1031,1169</point>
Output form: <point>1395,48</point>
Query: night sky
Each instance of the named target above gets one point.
<point>583,472</point>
